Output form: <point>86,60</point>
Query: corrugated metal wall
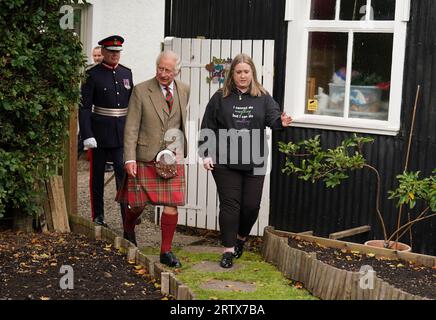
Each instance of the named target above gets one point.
<point>301,206</point>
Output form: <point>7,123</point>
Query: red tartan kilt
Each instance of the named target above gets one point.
<point>149,188</point>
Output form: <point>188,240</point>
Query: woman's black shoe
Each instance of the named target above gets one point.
<point>239,248</point>
<point>227,260</point>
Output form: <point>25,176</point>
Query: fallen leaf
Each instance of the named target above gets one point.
<point>371,255</point>
<point>213,298</point>
<point>400,265</point>
<point>164,298</point>
<point>355,252</point>
<point>40,256</point>
<point>298,285</point>
<point>44,298</point>
<point>138,267</point>
<point>129,284</point>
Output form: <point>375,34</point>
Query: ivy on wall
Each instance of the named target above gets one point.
<point>40,72</point>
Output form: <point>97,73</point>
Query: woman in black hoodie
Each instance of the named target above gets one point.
<point>232,145</point>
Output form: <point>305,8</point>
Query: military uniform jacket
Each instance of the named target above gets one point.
<point>105,87</point>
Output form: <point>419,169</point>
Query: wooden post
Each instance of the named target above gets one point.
<point>309,233</point>
<point>131,254</point>
<point>56,196</point>
<point>97,232</point>
<point>349,232</point>
<point>165,283</point>
<point>117,242</point>
<point>69,170</point>
<point>182,293</point>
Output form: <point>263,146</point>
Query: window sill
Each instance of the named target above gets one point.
<point>351,125</point>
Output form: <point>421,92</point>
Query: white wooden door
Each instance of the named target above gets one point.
<point>202,203</point>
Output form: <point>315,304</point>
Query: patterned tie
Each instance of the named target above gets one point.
<point>169,98</point>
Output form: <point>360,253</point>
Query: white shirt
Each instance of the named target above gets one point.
<point>164,91</point>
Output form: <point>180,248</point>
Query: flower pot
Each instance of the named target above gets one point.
<point>392,245</point>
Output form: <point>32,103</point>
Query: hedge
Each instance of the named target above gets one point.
<point>41,66</point>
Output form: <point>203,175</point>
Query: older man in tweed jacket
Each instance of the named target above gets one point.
<point>155,121</point>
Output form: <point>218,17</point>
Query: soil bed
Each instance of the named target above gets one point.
<point>30,267</point>
<point>411,278</point>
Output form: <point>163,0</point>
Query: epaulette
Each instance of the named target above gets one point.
<point>89,67</point>
<point>124,66</point>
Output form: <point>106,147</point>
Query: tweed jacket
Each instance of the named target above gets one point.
<point>148,119</point>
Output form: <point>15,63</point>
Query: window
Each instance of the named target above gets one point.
<point>345,64</point>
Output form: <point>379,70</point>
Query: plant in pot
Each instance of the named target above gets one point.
<point>310,162</point>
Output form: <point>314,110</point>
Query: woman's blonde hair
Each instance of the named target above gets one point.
<point>256,88</point>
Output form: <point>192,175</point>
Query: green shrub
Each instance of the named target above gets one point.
<point>309,162</point>
<point>40,72</point>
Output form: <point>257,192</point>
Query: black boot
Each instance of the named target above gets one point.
<point>130,236</point>
<point>227,260</point>
<point>239,248</point>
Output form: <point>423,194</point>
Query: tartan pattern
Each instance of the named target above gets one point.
<point>169,98</point>
<point>149,188</point>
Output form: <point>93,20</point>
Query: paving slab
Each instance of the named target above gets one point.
<point>203,249</point>
<point>213,266</point>
<point>226,285</point>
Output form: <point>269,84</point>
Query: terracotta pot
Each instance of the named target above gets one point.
<point>380,244</point>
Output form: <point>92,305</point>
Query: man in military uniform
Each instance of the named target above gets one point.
<point>97,57</point>
<point>102,116</point>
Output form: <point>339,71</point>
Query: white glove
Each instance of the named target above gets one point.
<point>89,143</point>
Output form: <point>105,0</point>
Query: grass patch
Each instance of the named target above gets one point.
<point>270,283</point>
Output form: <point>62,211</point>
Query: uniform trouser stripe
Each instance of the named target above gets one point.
<point>90,157</point>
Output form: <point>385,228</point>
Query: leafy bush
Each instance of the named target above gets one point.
<point>308,161</point>
<point>40,72</point>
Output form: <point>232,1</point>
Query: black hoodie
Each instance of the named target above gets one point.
<point>238,122</point>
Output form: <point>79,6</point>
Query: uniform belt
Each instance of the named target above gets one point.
<point>110,112</point>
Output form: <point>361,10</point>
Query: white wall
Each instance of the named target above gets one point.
<point>140,23</point>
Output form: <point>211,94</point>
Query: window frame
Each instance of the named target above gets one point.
<point>296,66</point>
